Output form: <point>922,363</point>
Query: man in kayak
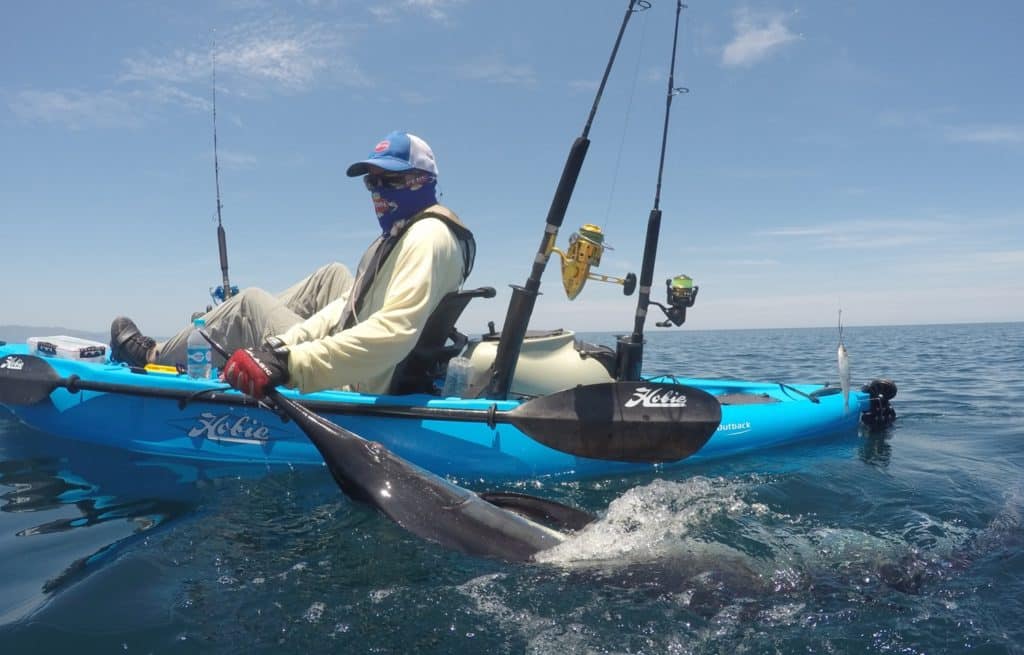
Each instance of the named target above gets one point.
<point>330,330</point>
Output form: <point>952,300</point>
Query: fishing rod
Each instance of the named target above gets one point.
<point>226,290</point>
<point>524,298</point>
<point>630,349</point>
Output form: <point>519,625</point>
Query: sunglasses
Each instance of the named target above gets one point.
<point>376,181</point>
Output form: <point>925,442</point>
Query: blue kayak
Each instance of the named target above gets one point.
<point>169,414</point>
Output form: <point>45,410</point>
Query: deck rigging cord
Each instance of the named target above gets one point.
<point>629,355</point>
<point>521,305</point>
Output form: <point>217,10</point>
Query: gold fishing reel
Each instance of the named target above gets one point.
<point>585,249</point>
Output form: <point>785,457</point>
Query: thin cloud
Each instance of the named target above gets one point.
<point>992,134</point>
<point>76,109</point>
<point>872,234</point>
<point>768,173</point>
<point>437,10</point>
<point>171,95</point>
<point>654,74</point>
<point>937,121</point>
<point>980,262</point>
<point>756,263</point>
<point>176,68</point>
<point>236,160</point>
<point>496,70</point>
<point>271,57</point>
<point>415,98</point>
<point>583,85</point>
<point>757,37</point>
<point>797,232</point>
<point>1009,258</point>
<point>930,118</point>
<point>253,60</point>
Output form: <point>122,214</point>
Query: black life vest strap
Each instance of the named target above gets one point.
<point>384,246</point>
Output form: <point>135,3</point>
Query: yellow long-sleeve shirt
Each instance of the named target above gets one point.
<point>425,265</point>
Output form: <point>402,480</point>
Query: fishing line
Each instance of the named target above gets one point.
<point>635,6</point>
<point>625,121</point>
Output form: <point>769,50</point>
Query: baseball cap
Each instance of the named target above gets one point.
<point>398,151</point>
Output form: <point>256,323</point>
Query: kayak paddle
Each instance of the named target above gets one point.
<point>619,421</point>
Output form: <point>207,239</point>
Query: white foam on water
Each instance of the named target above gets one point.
<point>315,612</point>
<point>652,521</point>
<point>488,598</point>
<point>711,546</point>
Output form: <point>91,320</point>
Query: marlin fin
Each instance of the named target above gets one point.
<point>546,512</point>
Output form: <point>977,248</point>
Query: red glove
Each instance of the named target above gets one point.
<point>254,371</point>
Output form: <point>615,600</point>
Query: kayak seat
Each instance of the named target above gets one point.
<point>439,341</point>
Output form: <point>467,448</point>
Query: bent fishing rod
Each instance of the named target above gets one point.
<point>521,305</point>
<point>630,349</point>
<point>222,242</point>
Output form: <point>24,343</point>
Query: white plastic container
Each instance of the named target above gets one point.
<point>200,354</point>
<point>65,347</point>
<point>548,362</point>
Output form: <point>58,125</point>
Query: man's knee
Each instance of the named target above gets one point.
<point>333,271</point>
<point>254,300</point>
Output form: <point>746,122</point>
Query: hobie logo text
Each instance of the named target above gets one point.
<point>226,426</point>
<point>647,397</point>
<point>13,364</point>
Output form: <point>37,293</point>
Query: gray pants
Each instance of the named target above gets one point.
<point>247,319</point>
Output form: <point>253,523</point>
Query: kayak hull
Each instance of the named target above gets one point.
<point>219,428</point>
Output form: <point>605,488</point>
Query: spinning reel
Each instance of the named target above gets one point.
<point>681,295</point>
<point>218,296</point>
<point>585,249</point>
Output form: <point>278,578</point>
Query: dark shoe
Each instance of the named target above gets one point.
<point>127,344</point>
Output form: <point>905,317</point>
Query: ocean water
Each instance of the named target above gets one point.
<point>906,541</point>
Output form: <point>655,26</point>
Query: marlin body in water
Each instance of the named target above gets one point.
<point>505,526</point>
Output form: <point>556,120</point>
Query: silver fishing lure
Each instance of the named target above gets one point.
<point>844,367</point>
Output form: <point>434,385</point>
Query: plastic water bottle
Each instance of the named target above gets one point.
<point>200,355</point>
<point>457,378</point>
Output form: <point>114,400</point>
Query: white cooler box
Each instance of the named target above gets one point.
<point>65,347</point>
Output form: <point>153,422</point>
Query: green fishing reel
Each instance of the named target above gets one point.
<point>681,294</point>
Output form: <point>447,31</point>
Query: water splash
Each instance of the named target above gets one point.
<point>652,521</point>
<point>714,531</point>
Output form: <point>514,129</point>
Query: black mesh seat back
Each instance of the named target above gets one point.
<point>439,341</point>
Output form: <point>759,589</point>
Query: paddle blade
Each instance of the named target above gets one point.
<point>26,380</point>
<point>622,421</point>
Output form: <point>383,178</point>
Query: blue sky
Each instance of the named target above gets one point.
<point>862,155</point>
